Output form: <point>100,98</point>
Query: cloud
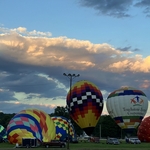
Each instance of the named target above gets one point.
<point>17,107</point>
<point>24,31</point>
<point>58,52</point>
<point>139,65</point>
<point>31,68</point>
<point>146,5</point>
<point>125,48</point>
<point>6,95</point>
<point>116,8</point>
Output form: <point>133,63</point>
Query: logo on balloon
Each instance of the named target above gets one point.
<point>137,101</point>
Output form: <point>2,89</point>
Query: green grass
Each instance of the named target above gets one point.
<point>88,146</point>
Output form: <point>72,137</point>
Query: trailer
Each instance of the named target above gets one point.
<point>28,142</point>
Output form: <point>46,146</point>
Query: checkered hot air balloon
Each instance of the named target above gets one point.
<point>127,106</point>
<point>144,130</point>
<point>85,105</point>
<point>62,125</point>
<point>31,123</point>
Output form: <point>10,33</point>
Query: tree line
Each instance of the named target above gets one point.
<point>106,126</point>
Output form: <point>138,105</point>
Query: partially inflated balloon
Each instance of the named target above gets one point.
<point>144,130</point>
<point>127,106</point>
<point>62,125</point>
<point>31,123</point>
<point>3,133</point>
<point>85,105</point>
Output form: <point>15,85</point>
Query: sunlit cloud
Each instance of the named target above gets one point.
<point>70,53</point>
<point>32,67</point>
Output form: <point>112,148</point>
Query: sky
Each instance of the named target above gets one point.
<point>106,42</point>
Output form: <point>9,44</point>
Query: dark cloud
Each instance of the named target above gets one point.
<point>143,3</point>
<point>136,49</point>
<point>24,78</point>
<point>125,48</point>
<point>116,8</point>
<point>128,48</point>
<point>31,83</point>
<point>146,5</point>
<point>10,108</point>
<point>7,96</point>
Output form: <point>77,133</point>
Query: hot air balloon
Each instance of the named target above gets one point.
<point>144,130</point>
<point>127,106</point>
<point>85,105</point>
<point>31,123</point>
<point>62,125</point>
<point>3,133</point>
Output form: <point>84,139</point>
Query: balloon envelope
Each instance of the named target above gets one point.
<point>30,123</point>
<point>62,124</point>
<point>85,105</point>
<point>127,106</point>
<point>144,130</point>
<point>3,133</point>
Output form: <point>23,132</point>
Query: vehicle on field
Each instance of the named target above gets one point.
<point>84,139</point>
<point>54,143</point>
<point>113,141</point>
<point>3,140</point>
<point>134,141</point>
<point>74,140</point>
<point>28,142</point>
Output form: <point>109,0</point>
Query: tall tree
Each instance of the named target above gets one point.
<point>60,111</point>
<point>106,126</point>
<point>5,118</point>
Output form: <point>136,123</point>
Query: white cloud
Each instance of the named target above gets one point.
<point>25,32</point>
<point>70,53</point>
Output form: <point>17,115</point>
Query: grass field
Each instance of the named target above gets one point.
<point>88,146</point>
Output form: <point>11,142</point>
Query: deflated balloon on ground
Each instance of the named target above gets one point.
<point>3,133</point>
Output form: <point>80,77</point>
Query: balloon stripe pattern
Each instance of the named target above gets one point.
<point>62,125</point>
<point>127,106</point>
<point>129,91</point>
<point>128,122</point>
<point>31,123</point>
<point>28,122</point>
<point>85,104</point>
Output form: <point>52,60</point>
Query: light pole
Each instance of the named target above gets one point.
<point>71,77</point>
<point>100,131</point>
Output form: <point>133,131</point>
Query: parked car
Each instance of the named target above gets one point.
<point>84,139</point>
<point>114,141</point>
<point>74,140</point>
<point>55,143</point>
<point>134,141</point>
